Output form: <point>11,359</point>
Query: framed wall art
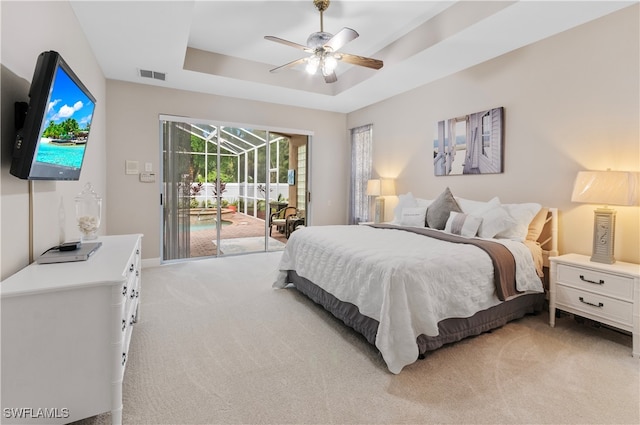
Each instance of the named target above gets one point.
<point>470,144</point>
<point>291,177</point>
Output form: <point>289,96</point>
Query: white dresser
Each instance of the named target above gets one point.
<point>66,330</point>
<point>606,293</point>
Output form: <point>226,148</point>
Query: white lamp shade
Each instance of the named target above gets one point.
<point>606,188</point>
<point>387,187</point>
<point>373,187</point>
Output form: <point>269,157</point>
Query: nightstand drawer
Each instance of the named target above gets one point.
<point>596,281</point>
<point>595,305</point>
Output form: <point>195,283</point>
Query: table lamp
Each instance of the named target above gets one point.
<point>380,188</point>
<point>605,188</point>
<point>373,189</point>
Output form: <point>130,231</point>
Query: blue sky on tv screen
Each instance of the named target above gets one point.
<point>68,101</point>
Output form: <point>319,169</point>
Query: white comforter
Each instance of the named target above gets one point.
<point>405,281</point>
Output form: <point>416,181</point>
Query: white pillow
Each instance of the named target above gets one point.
<point>423,202</point>
<point>522,214</point>
<point>462,224</point>
<point>494,220</point>
<point>404,201</point>
<point>476,207</point>
<point>413,216</point>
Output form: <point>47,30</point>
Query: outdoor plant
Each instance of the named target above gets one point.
<point>194,190</point>
<point>263,190</point>
<point>223,188</point>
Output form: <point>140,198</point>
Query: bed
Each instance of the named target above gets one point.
<point>443,270</point>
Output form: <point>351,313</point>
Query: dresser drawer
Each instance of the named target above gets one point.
<point>122,350</point>
<point>596,281</point>
<point>595,305</point>
<point>132,268</point>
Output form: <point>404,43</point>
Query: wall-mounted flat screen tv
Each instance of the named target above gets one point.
<point>51,142</point>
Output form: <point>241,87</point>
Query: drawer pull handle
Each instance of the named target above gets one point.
<point>124,358</point>
<point>124,325</point>
<point>599,305</point>
<point>131,268</point>
<point>124,290</point>
<point>601,282</point>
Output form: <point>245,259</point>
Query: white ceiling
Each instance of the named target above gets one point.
<point>218,47</point>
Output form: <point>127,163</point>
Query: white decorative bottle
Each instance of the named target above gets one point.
<point>88,212</point>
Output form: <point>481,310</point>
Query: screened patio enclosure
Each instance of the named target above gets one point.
<point>221,183</point>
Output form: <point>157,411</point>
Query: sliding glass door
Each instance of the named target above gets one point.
<point>175,193</point>
<point>229,190</point>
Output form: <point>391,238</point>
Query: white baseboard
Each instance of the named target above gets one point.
<point>150,262</point>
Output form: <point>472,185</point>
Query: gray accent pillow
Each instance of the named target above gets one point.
<point>440,209</point>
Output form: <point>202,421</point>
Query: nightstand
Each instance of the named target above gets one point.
<point>606,293</point>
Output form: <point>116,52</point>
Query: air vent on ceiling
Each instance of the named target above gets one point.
<point>145,73</point>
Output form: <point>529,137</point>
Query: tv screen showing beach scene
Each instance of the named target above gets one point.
<point>65,128</point>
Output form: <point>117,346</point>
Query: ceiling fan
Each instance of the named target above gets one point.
<point>323,48</point>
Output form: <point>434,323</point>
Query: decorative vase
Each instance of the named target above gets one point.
<point>88,212</point>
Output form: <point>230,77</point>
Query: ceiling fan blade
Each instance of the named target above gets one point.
<point>343,36</point>
<point>289,65</point>
<point>331,78</point>
<point>288,43</point>
<point>361,60</point>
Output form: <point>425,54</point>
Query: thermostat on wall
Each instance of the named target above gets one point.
<point>147,177</point>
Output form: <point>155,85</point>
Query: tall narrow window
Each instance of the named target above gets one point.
<point>361,147</point>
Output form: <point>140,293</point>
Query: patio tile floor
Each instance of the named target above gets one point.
<point>241,226</point>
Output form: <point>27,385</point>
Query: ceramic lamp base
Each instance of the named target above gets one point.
<point>378,216</point>
<point>604,226</point>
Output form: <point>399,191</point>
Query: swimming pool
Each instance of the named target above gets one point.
<point>196,224</point>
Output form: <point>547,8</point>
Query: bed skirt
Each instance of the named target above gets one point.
<point>450,330</point>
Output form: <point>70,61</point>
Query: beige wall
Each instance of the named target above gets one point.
<point>133,134</point>
<point>571,103</point>
<point>29,28</point>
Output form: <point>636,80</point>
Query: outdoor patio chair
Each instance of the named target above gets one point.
<point>279,218</point>
<point>293,222</point>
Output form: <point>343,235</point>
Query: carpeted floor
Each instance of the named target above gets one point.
<point>246,245</point>
<point>215,344</point>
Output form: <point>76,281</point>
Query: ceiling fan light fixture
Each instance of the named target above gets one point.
<point>313,63</point>
<point>318,39</point>
<point>329,64</point>
<point>323,48</point>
